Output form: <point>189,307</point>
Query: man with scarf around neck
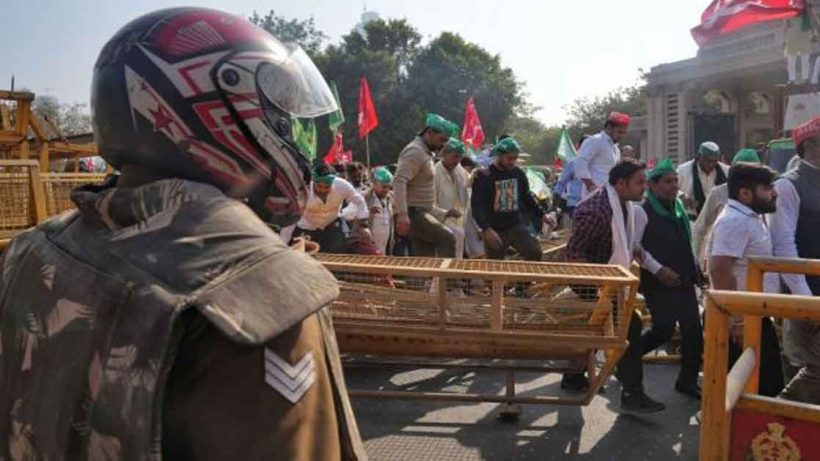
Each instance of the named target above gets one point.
<point>451,190</point>
<point>669,274</point>
<point>699,176</point>
<point>602,234</point>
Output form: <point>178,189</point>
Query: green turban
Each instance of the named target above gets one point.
<point>441,124</point>
<point>507,146</point>
<point>664,167</point>
<point>323,174</point>
<point>709,149</point>
<point>455,146</point>
<point>747,155</point>
<point>382,175</point>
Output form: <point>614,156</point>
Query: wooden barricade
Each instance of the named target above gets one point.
<point>576,315</point>
<point>28,197</point>
<point>737,424</point>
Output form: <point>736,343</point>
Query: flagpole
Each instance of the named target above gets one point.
<point>367,149</point>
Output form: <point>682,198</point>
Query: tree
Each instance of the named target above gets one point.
<point>299,31</point>
<point>535,138</point>
<point>450,70</point>
<point>382,55</point>
<point>587,116</point>
<point>69,119</point>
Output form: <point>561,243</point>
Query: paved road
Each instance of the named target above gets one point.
<point>397,430</point>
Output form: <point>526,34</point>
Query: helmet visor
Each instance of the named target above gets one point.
<point>291,82</point>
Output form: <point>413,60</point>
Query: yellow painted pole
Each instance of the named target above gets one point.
<point>714,430</point>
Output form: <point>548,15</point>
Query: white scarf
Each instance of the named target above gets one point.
<point>622,232</point>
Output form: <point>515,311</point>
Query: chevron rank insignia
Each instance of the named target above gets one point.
<point>291,381</point>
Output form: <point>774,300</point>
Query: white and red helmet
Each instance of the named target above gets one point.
<point>205,95</point>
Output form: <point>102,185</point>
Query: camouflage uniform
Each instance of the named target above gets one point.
<point>167,320</point>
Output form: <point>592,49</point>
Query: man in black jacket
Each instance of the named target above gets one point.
<point>670,274</point>
<point>499,193</point>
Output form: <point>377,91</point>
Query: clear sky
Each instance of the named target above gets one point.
<point>561,49</point>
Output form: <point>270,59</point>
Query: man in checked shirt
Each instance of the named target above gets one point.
<point>593,241</point>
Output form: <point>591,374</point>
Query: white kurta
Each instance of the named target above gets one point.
<point>686,181</point>
<point>451,194</point>
<point>597,156</point>
<point>320,213</point>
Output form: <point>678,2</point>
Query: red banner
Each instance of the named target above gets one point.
<point>473,134</point>
<point>335,151</point>
<point>724,16</point>
<point>367,111</point>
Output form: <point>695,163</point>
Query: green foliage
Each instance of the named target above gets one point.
<point>303,32</point>
<point>70,119</point>
<point>535,138</point>
<point>587,116</point>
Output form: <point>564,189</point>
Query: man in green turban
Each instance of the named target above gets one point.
<point>670,274</point>
<point>380,204</point>
<point>714,204</point>
<point>451,189</point>
<point>499,196</point>
<point>700,175</point>
<point>415,191</point>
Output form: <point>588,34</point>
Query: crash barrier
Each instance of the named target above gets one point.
<point>495,314</point>
<point>737,424</point>
<point>28,197</point>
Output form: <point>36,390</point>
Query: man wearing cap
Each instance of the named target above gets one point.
<point>380,204</point>
<point>699,176</point>
<point>497,200</point>
<point>322,219</point>
<point>415,192</point>
<point>715,202</point>
<point>669,274</point>
<point>600,152</point>
<point>795,227</point>
<point>451,189</point>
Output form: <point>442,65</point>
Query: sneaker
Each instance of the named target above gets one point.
<point>575,383</point>
<point>692,390</point>
<point>638,402</point>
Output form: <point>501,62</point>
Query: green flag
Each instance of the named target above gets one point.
<point>305,137</point>
<point>566,150</point>
<point>336,118</point>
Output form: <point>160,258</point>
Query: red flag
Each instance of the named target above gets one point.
<point>335,150</point>
<point>557,165</point>
<point>650,165</point>
<point>725,16</point>
<point>346,157</point>
<point>367,112</point>
<point>472,134</point>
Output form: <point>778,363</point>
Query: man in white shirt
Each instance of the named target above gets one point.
<point>715,202</point>
<point>600,152</point>
<point>322,219</point>
<point>741,232</point>
<point>699,176</point>
<point>451,190</point>
<point>795,228</point>
<point>380,203</point>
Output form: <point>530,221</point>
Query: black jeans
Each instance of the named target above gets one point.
<point>670,307</point>
<point>331,239</point>
<point>629,370</point>
<point>520,238</point>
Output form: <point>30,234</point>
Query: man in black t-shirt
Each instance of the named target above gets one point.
<point>498,196</point>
